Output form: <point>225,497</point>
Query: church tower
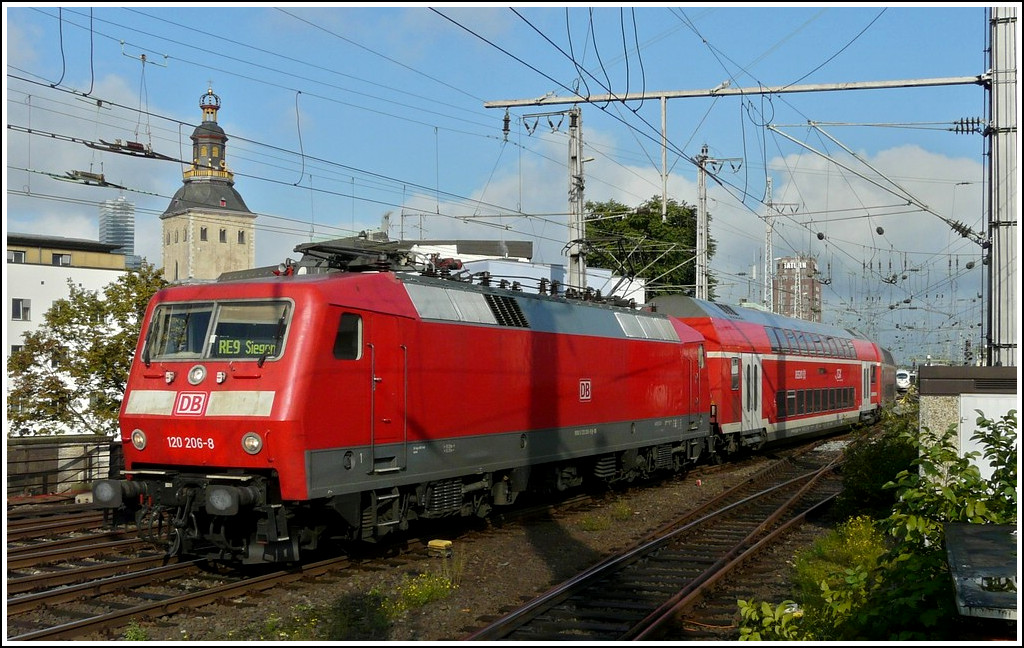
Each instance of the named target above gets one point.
<point>207,229</point>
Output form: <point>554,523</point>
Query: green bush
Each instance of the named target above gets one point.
<point>135,632</point>
<point>855,544</point>
<point>871,462</point>
<point>832,580</point>
<point>906,592</point>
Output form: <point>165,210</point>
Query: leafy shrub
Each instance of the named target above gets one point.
<point>905,592</point>
<point>871,462</point>
<point>855,544</point>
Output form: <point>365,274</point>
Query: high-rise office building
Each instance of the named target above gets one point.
<point>797,290</point>
<point>117,227</point>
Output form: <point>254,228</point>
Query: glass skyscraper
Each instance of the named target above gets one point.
<point>117,227</point>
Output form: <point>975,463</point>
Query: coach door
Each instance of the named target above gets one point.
<point>751,386</point>
<point>389,381</point>
<point>866,371</point>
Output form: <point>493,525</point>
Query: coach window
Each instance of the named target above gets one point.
<point>348,339</point>
<point>748,389</point>
<point>773,333</point>
<point>790,341</point>
<point>735,373</point>
<point>800,401</point>
<point>801,342</point>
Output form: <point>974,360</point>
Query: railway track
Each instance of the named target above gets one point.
<point>107,584</point>
<point>106,605</point>
<point>70,588</point>
<point>638,594</point>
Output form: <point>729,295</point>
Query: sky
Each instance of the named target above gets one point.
<point>344,118</point>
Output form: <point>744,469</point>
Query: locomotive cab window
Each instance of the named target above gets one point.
<point>253,330</point>
<point>237,330</point>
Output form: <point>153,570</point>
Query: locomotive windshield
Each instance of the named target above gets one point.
<point>252,330</point>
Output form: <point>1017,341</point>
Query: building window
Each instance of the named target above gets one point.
<point>168,238</point>
<point>241,236</point>
<point>15,256</point>
<point>202,233</point>
<point>223,203</point>
<point>60,259</point>
<point>216,151</point>
<point>16,347</point>
<point>175,236</point>
<point>223,236</point>
<point>21,309</point>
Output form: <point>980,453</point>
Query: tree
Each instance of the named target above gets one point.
<point>70,374</point>
<point>636,243</point>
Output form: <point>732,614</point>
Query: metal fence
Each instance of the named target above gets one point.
<point>57,465</point>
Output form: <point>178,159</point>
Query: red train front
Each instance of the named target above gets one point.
<point>266,414</point>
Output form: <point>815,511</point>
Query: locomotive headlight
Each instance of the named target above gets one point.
<point>252,443</point>
<point>138,439</point>
<point>196,374</point>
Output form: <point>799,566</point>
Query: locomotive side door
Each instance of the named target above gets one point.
<point>389,380</point>
<point>751,381</point>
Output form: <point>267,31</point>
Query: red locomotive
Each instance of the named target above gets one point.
<point>345,397</point>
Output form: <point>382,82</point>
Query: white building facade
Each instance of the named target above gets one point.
<point>37,274</point>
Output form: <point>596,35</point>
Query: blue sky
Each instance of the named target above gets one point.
<point>338,115</point>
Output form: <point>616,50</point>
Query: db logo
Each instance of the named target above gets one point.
<point>584,390</point>
<point>190,403</point>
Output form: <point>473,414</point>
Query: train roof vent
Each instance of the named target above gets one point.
<point>728,310</point>
<point>506,310</point>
